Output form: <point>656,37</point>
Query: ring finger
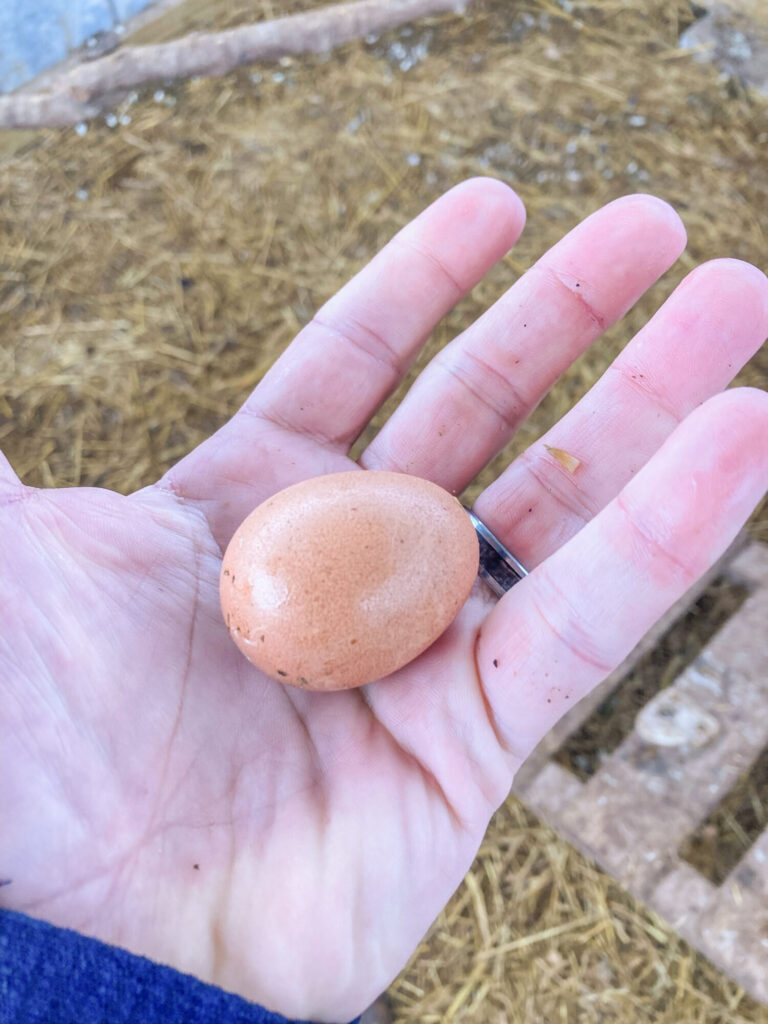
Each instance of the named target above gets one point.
<point>690,350</point>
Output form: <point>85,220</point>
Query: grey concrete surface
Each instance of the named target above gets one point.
<point>633,815</point>
<point>36,34</point>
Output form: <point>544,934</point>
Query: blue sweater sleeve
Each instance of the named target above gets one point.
<point>55,976</point>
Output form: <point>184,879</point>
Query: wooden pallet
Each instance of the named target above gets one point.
<point>689,746</point>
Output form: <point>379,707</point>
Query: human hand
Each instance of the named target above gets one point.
<point>160,794</point>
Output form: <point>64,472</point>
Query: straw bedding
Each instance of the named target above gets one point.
<point>151,272</point>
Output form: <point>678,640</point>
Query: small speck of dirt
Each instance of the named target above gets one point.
<point>303,681</point>
<point>495,662</point>
<point>281,673</point>
<point>227,572</point>
<point>196,867</point>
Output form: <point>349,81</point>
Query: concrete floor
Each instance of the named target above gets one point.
<point>35,34</point>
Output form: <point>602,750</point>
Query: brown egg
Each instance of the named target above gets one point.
<point>342,579</point>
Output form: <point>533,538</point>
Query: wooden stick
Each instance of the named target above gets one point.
<point>82,92</point>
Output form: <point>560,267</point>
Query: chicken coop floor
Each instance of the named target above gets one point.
<point>154,265</point>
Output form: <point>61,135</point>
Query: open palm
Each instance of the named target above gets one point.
<point>160,794</point>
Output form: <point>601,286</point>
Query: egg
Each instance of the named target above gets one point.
<point>342,579</point>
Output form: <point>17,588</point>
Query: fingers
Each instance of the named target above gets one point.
<point>316,399</point>
<point>560,631</point>
<point>355,351</point>
<point>701,337</point>
<point>468,402</point>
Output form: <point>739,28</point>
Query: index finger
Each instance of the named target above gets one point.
<point>358,346</point>
<point>313,403</point>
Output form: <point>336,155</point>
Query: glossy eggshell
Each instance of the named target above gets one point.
<point>342,579</point>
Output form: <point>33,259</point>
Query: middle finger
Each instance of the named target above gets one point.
<point>466,405</point>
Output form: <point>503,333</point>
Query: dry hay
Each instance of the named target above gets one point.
<point>151,273</point>
<point>537,934</point>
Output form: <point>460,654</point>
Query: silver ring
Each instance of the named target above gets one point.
<point>498,567</point>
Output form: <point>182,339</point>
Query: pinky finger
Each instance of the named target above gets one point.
<point>564,628</point>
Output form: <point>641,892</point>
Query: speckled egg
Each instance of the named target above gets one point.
<point>342,579</point>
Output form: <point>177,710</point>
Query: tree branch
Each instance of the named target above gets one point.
<point>82,92</point>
